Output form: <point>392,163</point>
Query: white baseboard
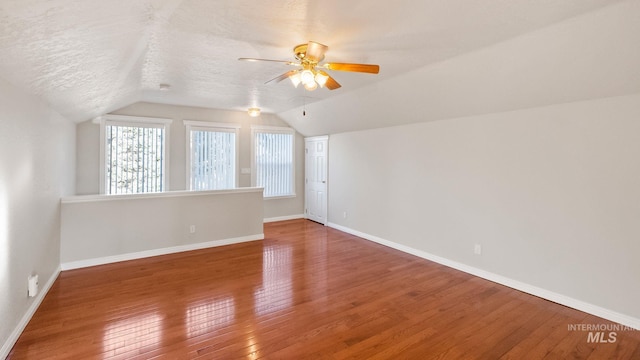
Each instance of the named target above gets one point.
<point>283,218</point>
<point>514,284</point>
<point>15,334</point>
<point>156,252</point>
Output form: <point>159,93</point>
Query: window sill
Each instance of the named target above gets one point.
<point>280,197</point>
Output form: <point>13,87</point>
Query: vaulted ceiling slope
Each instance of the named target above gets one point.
<point>90,57</point>
<point>591,56</point>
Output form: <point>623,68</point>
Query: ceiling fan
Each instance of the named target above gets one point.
<point>311,72</point>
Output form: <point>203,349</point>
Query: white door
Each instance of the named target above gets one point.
<point>316,178</point>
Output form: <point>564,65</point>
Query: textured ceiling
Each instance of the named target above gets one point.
<point>90,57</point>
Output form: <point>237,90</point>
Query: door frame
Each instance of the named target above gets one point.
<point>324,138</point>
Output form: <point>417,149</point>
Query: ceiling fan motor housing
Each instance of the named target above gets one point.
<point>300,52</point>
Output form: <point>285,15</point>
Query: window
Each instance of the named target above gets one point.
<point>211,155</point>
<point>273,160</point>
<point>134,154</point>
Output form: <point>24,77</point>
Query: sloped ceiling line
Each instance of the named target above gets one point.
<point>91,57</point>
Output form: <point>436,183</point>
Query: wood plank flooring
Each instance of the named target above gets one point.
<point>305,292</point>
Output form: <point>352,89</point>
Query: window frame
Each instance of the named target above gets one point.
<point>274,130</point>
<point>191,125</point>
<point>133,121</point>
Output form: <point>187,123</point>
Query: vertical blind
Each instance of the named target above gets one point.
<point>274,163</point>
<point>134,159</point>
<point>213,160</point>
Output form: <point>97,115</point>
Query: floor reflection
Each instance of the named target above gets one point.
<point>276,291</point>
<point>316,270</point>
<point>132,334</point>
<point>209,316</point>
<point>252,348</point>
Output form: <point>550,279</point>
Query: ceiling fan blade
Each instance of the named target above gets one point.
<point>315,51</point>
<point>364,68</point>
<point>279,61</point>
<point>332,84</point>
<point>283,76</point>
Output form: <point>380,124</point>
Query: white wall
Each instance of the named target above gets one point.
<point>552,194</point>
<point>107,228</point>
<point>529,147</point>
<point>88,138</point>
<point>37,155</point>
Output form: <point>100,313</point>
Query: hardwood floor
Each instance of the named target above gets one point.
<point>306,291</point>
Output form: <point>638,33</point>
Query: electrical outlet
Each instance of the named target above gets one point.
<point>477,249</point>
<point>344,214</point>
<point>192,229</point>
<point>32,286</point>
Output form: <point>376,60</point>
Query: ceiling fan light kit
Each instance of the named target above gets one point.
<point>321,78</point>
<point>310,73</point>
<point>307,77</point>
<point>311,79</point>
<point>295,79</point>
<point>311,86</point>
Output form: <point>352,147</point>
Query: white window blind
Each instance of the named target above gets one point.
<point>273,160</point>
<point>134,159</point>
<point>213,158</point>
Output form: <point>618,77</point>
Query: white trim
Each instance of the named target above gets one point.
<point>215,127</point>
<point>167,157</point>
<point>132,119</point>
<point>211,124</point>
<point>280,197</point>
<point>306,153</point>
<point>266,128</point>
<point>17,331</point>
<point>274,129</point>
<point>156,252</point>
<point>253,158</point>
<point>317,138</point>
<point>502,280</point>
<point>283,218</point>
<point>126,120</point>
<point>103,154</point>
<point>103,197</point>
